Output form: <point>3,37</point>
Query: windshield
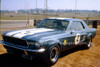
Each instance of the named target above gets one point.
<point>54,24</point>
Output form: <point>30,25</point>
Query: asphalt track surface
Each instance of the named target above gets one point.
<point>7,25</point>
<point>13,23</point>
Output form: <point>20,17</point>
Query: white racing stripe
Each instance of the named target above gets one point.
<point>22,33</point>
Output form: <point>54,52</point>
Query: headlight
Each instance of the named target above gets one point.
<point>37,44</point>
<point>33,45</point>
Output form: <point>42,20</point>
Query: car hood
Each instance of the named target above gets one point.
<point>36,34</point>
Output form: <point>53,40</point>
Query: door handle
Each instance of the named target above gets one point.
<point>72,31</point>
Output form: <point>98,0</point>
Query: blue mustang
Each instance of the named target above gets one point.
<point>49,38</point>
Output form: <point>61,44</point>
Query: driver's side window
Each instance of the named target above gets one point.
<point>76,26</point>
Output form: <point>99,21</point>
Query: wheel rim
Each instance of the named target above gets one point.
<point>90,41</point>
<point>54,54</point>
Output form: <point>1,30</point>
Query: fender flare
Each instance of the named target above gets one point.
<point>89,35</point>
<point>55,43</point>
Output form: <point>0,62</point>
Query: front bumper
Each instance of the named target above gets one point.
<point>41,50</point>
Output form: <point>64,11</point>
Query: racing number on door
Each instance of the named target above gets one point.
<point>77,38</point>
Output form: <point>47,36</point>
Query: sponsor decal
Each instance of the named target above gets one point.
<point>65,42</point>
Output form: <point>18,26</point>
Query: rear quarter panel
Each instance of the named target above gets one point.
<point>91,32</point>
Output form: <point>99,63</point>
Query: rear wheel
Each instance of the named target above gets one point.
<point>88,45</point>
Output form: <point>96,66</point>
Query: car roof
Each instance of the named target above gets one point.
<point>68,19</point>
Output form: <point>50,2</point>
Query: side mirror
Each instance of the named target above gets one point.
<point>72,31</point>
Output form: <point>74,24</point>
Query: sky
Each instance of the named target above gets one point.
<point>52,4</point>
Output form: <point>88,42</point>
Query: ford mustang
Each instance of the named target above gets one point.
<point>49,38</point>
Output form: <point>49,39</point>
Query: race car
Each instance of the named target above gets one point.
<point>49,38</point>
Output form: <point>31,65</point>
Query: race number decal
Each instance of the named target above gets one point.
<point>77,38</point>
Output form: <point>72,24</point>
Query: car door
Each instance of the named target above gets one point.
<point>75,34</point>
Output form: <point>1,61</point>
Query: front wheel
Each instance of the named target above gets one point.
<point>52,55</point>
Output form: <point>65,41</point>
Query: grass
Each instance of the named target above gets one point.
<point>40,17</point>
<point>21,16</point>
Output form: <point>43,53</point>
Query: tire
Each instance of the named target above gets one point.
<point>89,42</point>
<point>52,55</point>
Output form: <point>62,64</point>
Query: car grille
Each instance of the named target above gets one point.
<point>15,41</point>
